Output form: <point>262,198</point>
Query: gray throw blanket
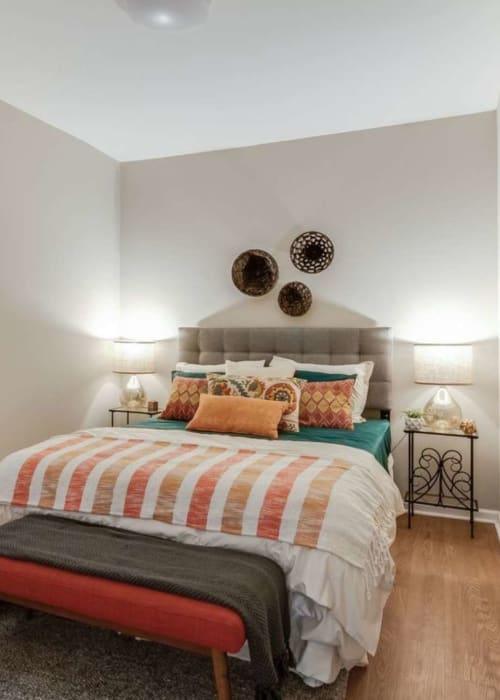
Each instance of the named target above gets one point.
<point>251,585</point>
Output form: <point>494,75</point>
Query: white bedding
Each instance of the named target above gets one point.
<point>336,616</point>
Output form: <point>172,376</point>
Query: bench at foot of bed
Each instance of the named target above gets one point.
<point>184,623</point>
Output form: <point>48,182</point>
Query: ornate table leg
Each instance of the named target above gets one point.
<point>471,487</point>
<point>410,478</point>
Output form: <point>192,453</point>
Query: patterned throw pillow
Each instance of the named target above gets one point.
<point>184,398</point>
<point>270,389</point>
<point>327,405</point>
<point>362,370</point>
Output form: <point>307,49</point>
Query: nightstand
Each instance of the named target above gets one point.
<point>128,411</point>
<point>440,478</point>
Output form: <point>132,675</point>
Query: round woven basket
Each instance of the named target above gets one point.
<point>295,299</point>
<point>312,252</point>
<point>255,272</point>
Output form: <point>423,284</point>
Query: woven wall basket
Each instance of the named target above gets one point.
<point>312,252</point>
<point>295,299</point>
<point>255,272</point>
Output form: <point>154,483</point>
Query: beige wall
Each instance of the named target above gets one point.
<point>498,294</point>
<point>411,209</point>
<point>412,212</point>
<point>59,281</point>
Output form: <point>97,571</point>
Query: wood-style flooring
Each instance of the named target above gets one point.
<point>441,632</point>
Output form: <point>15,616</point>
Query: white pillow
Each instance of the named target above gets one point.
<point>362,370</point>
<point>284,369</point>
<point>243,366</point>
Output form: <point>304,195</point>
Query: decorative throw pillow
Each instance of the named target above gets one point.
<point>270,389</point>
<point>237,414</point>
<point>193,368</point>
<point>362,370</point>
<point>184,398</point>
<point>321,376</point>
<point>243,366</point>
<point>327,405</point>
<point>285,370</point>
<point>192,375</point>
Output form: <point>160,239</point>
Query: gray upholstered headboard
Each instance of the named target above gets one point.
<point>319,345</point>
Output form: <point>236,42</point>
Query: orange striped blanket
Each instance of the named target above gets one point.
<point>272,495</point>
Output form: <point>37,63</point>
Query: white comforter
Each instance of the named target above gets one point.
<point>336,607</point>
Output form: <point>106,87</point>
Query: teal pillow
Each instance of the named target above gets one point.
<point>322,377</point>
<point>192,375</point>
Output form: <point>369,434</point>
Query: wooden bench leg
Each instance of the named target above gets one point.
<point>221,674</point>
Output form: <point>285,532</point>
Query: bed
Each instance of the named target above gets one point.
<point>338,587</point>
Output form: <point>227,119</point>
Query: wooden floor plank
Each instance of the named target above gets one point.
<point>441,632</point>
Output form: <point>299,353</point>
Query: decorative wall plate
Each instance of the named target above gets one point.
<point>295,299</point>
<point>312,252</point>
<point>255,272</point>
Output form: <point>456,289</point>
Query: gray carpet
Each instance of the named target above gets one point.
<point>45,658</point>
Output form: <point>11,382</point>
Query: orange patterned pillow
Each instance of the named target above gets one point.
<point>327,404</point>
<point>184,398</point>
<point>238,414</point>
<point>268,388</point>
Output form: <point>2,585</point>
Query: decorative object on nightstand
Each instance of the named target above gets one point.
<point>128,411</point>
<point>440,478</point>
<point>414,419</point>
<point>443,365</point>
<point>133,357</point>
<point>468,427</point>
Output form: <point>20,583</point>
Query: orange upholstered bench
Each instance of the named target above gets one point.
<point>188,624</point>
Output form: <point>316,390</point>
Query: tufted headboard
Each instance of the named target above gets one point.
<point>318,345</point>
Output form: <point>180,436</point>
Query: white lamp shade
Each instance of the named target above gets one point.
<point>133,357</point>
<point>443,364</point>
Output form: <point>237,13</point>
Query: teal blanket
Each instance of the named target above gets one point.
<point>374,436</point>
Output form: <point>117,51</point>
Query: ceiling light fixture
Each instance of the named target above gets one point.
<point>167,14</point>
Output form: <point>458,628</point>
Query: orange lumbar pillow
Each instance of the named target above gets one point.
<point>238,414</point>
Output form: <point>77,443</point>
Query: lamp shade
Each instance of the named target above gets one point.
<point>133,357</point>
<point>443,364</point>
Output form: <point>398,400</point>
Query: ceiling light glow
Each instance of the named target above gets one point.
<point>167,14</point>
<point>162,19</point>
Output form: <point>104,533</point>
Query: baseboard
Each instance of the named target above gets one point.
<point>482,516</point>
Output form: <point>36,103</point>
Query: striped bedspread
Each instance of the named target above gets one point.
<point>268,494</point>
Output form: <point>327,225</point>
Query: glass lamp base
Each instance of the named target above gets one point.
<point>442,412</point>
<point>133,394</point>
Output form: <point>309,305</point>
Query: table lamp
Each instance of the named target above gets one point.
<point>133,357</point>
<point>443,365</point>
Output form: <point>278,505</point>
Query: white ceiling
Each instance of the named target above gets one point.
<point>257,71</point>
